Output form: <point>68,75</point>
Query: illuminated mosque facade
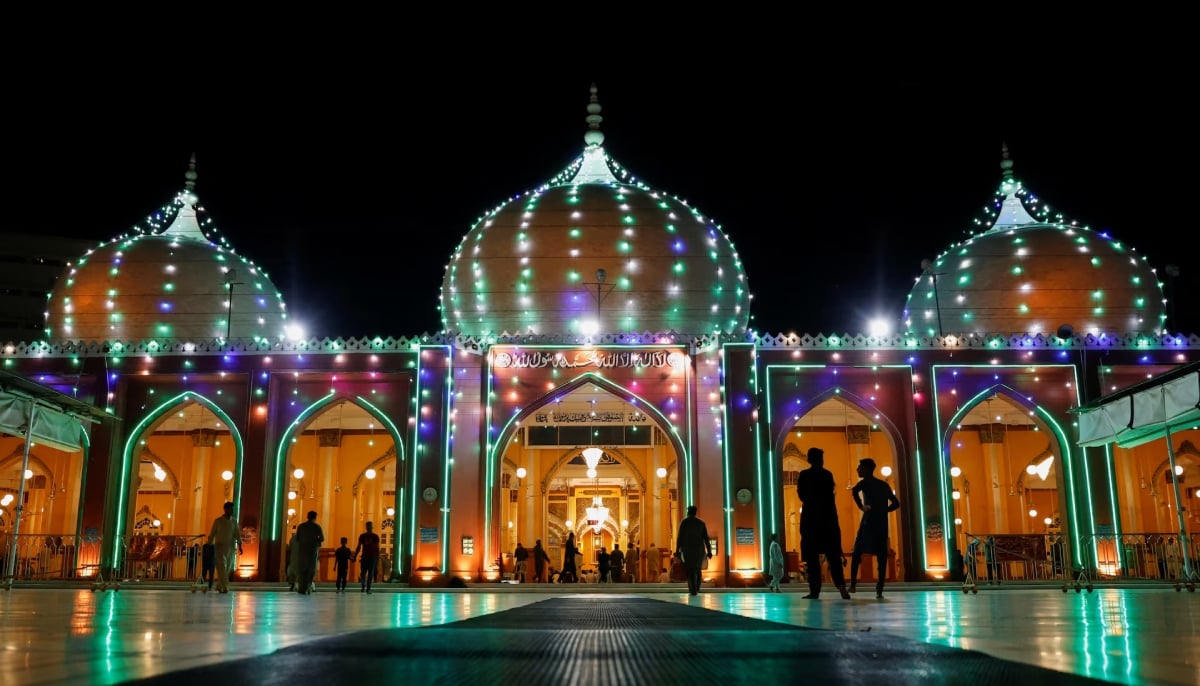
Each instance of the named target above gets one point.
<point>596,374</point>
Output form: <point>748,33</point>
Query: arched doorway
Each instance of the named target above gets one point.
<point>342,461</point>
<point>1007,496</point>
<point>848,430</point>
<point>183,463</point>
<point>546,488</point>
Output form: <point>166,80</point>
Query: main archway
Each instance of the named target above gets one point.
<point>544,487</point>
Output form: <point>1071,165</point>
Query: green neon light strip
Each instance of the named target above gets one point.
<point>124,486</point>
<point>487,468</point>
<point>400,459</point>
<point>281,455</point>
<point>727,407</point>
<point>416,443</point>
<point>1072,505</point>
<point>1112,502</point>
<point>942,459</point>
<point>447,457</point>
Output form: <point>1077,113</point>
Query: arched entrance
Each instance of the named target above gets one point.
<point>848,429</point>
<point>546,486</point>
<point>343,460</point>
<point>1008,498</point>
<point>181,464</point>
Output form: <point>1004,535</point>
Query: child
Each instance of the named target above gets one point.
<point>341,558</point>
<point>208,563</point>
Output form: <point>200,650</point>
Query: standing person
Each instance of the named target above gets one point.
<point>290,554</point>
<point>305,547</point>
<point>521,555</point>
<point>368,546</point>
<point>602,566</point>
<point>341,561</point>
<point>616,564</point>
<point>631,564</point>
<point>694,548</point>
<point>776,563</point>
<point>819,530</point>
<point>540,558</point>
<point>569,573</point>
<point>876,499</point>
<point>225,538</point>
<point>653,563</point>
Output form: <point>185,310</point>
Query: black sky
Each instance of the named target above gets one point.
<point>352,187</point>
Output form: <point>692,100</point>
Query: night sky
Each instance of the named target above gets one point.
<point>353,191</point>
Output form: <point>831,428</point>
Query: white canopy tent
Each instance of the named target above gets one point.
<point>42,416</point>
<point>1147,412</point>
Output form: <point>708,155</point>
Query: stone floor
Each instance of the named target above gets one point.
<point>71,635</point>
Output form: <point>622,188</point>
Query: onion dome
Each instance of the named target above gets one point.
<point>594,250</point>
<point>177,283</point>
<point>1028,271</point>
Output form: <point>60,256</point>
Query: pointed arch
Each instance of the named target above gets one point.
<point>184,398</point>
<point>889,428</point>
<point>1064,450</point>
<point>19,455</point>
<point>302,420</point>
<point>387,456</point>
<point>162,464</point>
<point>496,447</point>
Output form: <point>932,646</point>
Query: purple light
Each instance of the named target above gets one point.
<point>678,246</point>
<point>263,375</point>
<point>745,401</point>
<point>164,306</point>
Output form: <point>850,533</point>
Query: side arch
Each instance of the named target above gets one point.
<point>129,455</point>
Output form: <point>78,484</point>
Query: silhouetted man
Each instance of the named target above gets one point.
<point>876,499</point>
<point>819,530</point>
<point>694,547</point>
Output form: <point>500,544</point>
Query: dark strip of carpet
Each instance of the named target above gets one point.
<point>604,640</point>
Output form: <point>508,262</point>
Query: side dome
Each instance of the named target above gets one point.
<point>176,285</point>
<point>595,251</point>
<point>1028,272</point>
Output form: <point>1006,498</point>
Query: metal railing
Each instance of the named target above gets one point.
<point>162,558</point>
<point>1000,558</point>
<point>50,557</point>
<point>1148,556</point>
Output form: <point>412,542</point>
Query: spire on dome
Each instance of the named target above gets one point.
<point>1012,210</point>
<point>189,176</point>
<point>594,167</point>
<point>594,136</point>
<point>185,224</point>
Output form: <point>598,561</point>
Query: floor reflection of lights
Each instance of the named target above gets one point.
<point>66,635</point>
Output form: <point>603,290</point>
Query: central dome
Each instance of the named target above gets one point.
<point>594,251</point>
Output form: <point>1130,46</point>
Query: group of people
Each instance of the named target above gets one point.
<point>224,538</point>
<point>820,533</point>
<point>614,566</point>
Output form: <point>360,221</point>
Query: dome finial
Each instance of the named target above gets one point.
<point>594,135</point>
<point>190,175</point>
<point>1006,163</point>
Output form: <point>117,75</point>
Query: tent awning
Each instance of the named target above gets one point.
<point>1144,412</point>
<point>59,421</point>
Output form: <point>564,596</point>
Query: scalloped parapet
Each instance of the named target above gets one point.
<point>480,344</point>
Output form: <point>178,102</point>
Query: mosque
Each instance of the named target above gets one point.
<point>596,374</point>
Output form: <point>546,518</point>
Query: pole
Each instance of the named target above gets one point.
<point>937,305</point>
<point>11,567</point>
<point>1183,534</point>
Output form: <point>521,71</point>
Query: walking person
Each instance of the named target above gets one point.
<point>631,564</point>
<point>305,546</point>
<point>602,566</point>
<point>616,564</point>
<point>521,555</point>
<point>341,562</point>
<point>694,548</point>
<point>368,547</point>
<point>776,564</point>
<point>653,563</point>
<point>225,538</point>
<point>819,530</point>
<point>569,573</point>
<point>875,498</point>
<point>540,558</point>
